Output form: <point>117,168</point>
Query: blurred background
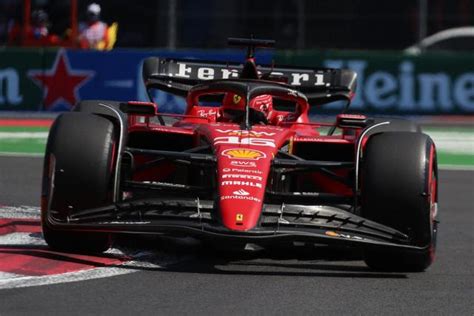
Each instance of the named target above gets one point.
<point>414,58</point>
<point>295,24</point>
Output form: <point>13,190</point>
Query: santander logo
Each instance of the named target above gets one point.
<point>241,192</point>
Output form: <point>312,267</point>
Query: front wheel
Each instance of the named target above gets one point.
<point>77,175</point>
<point>399,188</point>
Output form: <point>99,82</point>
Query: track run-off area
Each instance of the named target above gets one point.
<point>150,275</point>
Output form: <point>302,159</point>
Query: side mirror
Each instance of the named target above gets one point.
<point>151,67</point>
<point>352,121</point>
<point>139,108</point>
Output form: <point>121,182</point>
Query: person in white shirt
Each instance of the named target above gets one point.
<point>94,31</point>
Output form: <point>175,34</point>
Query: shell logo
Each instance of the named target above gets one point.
<point>238,153</point>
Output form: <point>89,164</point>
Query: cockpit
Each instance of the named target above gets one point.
<point>247,102</point>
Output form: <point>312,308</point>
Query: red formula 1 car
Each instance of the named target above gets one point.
<point>244,164</point>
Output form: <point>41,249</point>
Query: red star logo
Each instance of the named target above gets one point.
<point>60,83</point>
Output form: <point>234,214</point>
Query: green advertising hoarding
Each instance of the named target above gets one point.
<point>388,82</point>
<point>18,67</point>
<point>396,83</point>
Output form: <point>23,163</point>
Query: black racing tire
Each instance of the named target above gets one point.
<point>399,189</point>
<point>94,106</point>
<point>396,125</point>
<point>79,157</point>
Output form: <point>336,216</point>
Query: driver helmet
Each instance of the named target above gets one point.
<point>233,106</point>
<point>264,104</point>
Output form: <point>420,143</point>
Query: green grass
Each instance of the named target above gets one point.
<point>25,145</point>
<point>37,145</point>
<point>455,159</point>
<point>23,129</point>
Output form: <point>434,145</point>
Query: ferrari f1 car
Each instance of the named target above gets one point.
<point>244,164</point>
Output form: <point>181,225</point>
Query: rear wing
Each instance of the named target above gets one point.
<point>179,76</point>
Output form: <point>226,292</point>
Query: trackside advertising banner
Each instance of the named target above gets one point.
<point>388,83</point>
<point>396,83</point>
<point>56,79</point>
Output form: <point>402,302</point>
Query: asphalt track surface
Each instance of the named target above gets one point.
<point>203,282</point>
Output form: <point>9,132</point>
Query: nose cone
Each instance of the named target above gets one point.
<point>242,174</point>
<point>243,164</point>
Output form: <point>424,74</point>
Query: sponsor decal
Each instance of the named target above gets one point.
<point>334,234</point>
<point>239,132</point>
<point>249,154</point>
<point>204,73</point>
<point>206,113</point>
<point>236,99</point>
<point>236,140</point>
<point>240,197</point>
<point>241,176</point>
<point>239,217</point>
<point>211,72</point>
<point>331,233</point>
<point>352,116</point>
<point>239,170</point>
<point>241,183</point>
<point>244,164</point>
<point>241,192</point>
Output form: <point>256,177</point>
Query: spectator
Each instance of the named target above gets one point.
<point>93,33</point>
<point>37,33</point>
<point>39,23</point>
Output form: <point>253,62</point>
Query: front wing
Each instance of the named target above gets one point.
<point>329,225</point>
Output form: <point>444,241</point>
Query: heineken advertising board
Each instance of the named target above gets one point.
<point>396,83</point>
<point>388,83</point>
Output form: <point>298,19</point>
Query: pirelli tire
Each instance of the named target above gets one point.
<point>77,175</point>
<point>399,188</point>
<point>396,125</point>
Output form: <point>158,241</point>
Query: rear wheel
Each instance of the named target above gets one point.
<point>399,189</point>
<point>77,175</point>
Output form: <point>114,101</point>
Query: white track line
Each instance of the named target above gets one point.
<point>454,142</point>
<point>140,258</point>
<point>10,281</point>
<point>23,135</point>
